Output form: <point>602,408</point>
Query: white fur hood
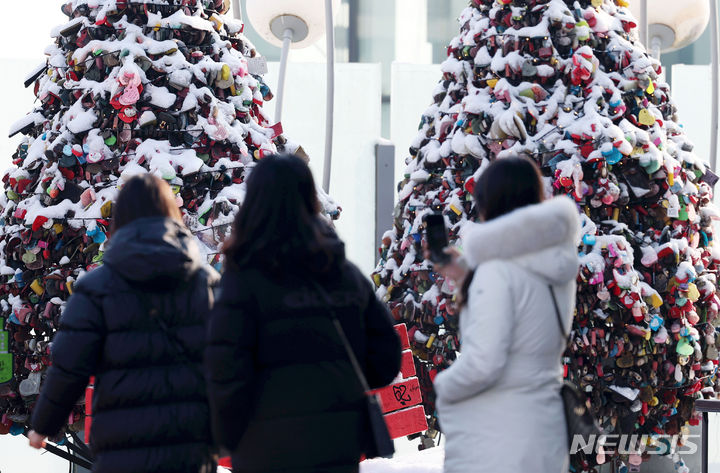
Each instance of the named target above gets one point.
<point>542,238</point>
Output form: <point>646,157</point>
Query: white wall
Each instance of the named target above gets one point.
<point>411,32</point>
<point>412,86</point>
<point>691,88</point>
<point>357,129</point>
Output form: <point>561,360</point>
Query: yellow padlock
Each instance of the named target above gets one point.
<point>656,300</point>
<point>388,294</point>
<point>37,287</point>
<point>225,72</point>
<point>216,21</point>
<point>106,209</point>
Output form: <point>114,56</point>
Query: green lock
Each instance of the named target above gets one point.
<point>29,257</point>
<point>6,360</point>
<point>683,216</point>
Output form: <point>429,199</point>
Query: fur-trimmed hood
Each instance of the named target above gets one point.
<point>542,238</point>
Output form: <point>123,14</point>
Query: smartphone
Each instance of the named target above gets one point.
<point>437,238</point>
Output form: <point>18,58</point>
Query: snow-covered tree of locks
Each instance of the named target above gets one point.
<point>170,87</point>
<point>567,83</point>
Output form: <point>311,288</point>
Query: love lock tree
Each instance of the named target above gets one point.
<point>170,87</point>
<point>567,83</point>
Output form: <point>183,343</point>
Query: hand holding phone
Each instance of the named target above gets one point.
<point>437,238</point>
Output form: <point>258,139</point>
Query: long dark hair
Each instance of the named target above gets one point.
<point>506,185</point>
<point>141,197</point>
<point>279,227</point>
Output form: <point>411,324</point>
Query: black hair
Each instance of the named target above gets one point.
<point>506,185</point>
<point>141,197</point>
<point>279,227</point>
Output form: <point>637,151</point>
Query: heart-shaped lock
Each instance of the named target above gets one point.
<point>646,118</point>
<point>684,348</point>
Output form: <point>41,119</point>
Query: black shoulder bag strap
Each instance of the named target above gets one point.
<point>557,313</point>
<point>381,445</point>
<point>343,337</point>
<point>578,419</point>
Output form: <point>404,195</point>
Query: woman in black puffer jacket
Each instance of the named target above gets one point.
<point>136,324</point>
<point>283,393</point>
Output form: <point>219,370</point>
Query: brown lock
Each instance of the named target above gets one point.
<point>627,360</point>
<point>646,394</point>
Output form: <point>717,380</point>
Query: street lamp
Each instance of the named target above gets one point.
<point>673,24</point>
<point>298,24</point>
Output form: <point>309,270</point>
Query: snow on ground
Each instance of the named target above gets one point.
<point>427,461</point>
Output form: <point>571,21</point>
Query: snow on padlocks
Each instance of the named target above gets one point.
<point>172,88</point>
<point>565,83</point>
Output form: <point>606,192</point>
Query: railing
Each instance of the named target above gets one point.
<point>706,406</point>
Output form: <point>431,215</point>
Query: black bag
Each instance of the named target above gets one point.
<point>380,445</point>
<point>578,419</point>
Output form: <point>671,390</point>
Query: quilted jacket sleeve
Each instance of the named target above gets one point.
<point>486,329</point>
<point>229,354</point>
<point>383,344</point>
<point>76,350</point>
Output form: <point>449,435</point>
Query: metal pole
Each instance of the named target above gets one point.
<point>384,190</point>
<point>237,10</point>
<point>330,100</point>
<point>287,39</point>
<point>705,442</point>
<point>644,35</point>
<point>353,34</point>
<point>715,92</point>
<point>655,47</point>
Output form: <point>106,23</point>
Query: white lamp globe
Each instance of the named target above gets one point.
<point>306,19</point>
<point>675,23</point>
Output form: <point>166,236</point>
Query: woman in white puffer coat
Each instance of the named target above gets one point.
<point>499,404</point>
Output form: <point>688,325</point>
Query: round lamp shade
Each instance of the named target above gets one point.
<point>677,23</point>
<point>306,18</point>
